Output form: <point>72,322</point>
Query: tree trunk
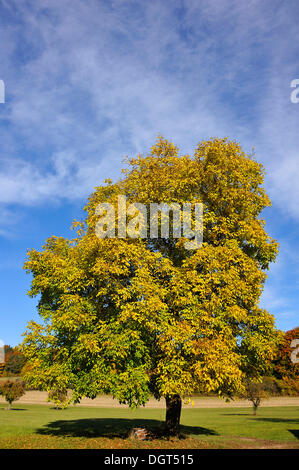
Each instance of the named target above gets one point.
<point>9,405</point>
<point>173,415</point>
<point>256,404</point>
<point>255,407</point>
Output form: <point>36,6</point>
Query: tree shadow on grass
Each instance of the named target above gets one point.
<point>14,409</point>
<point>113,427</point>
<point>295,432</point>
<point>279,420</point>
<point>270,420</point>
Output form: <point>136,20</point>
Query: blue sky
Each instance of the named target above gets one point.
<point>89,82</point>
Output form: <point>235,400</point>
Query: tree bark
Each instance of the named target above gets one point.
<point>256,404</point>
<point>9,405</point>
<point>173,415</point>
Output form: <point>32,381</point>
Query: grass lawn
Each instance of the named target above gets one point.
<point>40,426</point>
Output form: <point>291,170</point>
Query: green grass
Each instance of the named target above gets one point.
<point>40,426</point>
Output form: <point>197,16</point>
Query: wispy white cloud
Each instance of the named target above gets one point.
<point>9,222</point>
<point>91,82</point>
<point>100,82</point>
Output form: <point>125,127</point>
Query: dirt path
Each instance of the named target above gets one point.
<point>36,397</point>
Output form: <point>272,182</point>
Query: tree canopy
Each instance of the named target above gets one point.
<point>14,361</point>
<point>283,364</point>
<point>12,390</point>
<point>141,316</point>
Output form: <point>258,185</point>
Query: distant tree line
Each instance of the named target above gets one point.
<point>14,362</point>
<point>282,377</point>
<point>285,372</point>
